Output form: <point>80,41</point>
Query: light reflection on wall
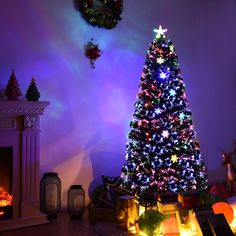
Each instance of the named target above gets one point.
<point>112,104</point>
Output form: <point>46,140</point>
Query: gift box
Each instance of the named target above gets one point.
<point>168,208</point>
<point>203,210</point>
<point>189,200</point>
<point>219,225</point>
<point>168,197</point>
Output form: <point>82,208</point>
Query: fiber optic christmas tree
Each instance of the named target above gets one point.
<point>162,153</point>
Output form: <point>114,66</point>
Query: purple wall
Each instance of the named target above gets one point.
<point>85,127</point>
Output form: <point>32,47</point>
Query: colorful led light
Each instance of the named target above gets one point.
<point>158,111</point>
<point>181,116</point>
<point>163,75</point>
<point>172,92</point>
<point>160,60</point>
<point>165,133</point>
<point>174,158</point>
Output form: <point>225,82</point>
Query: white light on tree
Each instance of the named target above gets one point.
<point>160,32</point>
<point>158,111</point>
<point>165,134</point>
<point>160,60</point>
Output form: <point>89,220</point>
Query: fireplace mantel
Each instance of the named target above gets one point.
<point>22,107</point>
<point>20,129</point>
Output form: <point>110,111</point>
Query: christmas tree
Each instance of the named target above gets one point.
<point>12,90</point>
<point>32,93</point>
<point>162,153</point>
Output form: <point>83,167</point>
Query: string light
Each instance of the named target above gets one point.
<point>165,133</point>
<point>163,75</point>
<point>160,60</point>
<point>174,158</point>
<point>172,92</point>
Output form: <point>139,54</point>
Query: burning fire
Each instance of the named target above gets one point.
<point>5,198</point>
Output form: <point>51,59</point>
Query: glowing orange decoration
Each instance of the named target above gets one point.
<point>226,209</point>
<point>5,198</point>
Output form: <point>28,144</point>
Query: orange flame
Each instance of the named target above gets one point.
<point>5,198</point>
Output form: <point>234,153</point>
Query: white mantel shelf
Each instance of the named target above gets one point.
<point>20,129</point>
<point>22,107</point>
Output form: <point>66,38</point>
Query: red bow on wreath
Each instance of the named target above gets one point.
<point>92,52</point>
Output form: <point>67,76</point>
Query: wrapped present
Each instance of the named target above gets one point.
<point>127,211</point>
<point>167,197</point>
<point>189,199</point>
<point>203,210</point>
<point>168,221</point>
<point>219,225</point>
<point>168,208</point>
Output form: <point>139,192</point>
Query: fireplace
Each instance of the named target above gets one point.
<point>19,163</point>
<point>6,199</point>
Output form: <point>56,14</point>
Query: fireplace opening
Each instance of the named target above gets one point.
<point>6,198</point>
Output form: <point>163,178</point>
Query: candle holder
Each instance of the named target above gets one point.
<point>50,194</point>
<point>76,201</point>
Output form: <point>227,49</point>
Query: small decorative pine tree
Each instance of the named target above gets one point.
<point>162,153</point>
<point>12,90</point>
<point>32,93</point>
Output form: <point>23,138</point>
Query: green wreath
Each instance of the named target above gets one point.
<point>101,13</point>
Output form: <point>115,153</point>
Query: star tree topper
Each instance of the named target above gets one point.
<point>160,32</point>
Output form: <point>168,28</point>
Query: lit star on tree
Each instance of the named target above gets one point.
<point>172,92</point>
<point>174,158</point>
<point>181,115</point>
<point>158,111</point>
<point>163,75</point>
<point>165,134</point>
<point>160,60</point>
<point>160,32</point>
<point>171,47</point>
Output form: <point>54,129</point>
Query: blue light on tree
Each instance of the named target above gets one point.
<point>164,74</point>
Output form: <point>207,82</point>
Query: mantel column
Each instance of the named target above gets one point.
<point>30,159</point>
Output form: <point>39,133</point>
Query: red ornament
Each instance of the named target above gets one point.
<point>219,190</point>
<point>92,52</point>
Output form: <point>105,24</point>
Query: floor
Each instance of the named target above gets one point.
<point>64,226</point>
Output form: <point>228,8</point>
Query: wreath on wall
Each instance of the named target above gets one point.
<point>100,13</point>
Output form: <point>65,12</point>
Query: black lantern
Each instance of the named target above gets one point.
<point>76,201</point>
<point>50,194</point>
<point>147,201</point>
